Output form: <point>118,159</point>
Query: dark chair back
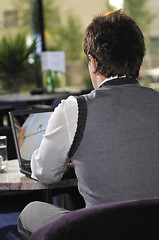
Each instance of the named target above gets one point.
<point>4,116</point>
<point>132,220</point>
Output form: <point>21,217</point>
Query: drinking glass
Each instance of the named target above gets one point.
<point>3,153</point>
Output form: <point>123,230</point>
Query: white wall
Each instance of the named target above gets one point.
<point>85,9</point>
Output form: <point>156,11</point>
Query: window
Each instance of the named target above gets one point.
<point>154,45</point>
<point>10,19</point>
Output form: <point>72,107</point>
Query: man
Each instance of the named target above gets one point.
<point>111,135</point>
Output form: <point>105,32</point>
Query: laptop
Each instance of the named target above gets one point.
<point>35,123</point>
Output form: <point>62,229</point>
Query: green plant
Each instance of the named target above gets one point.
<point>14,54</point>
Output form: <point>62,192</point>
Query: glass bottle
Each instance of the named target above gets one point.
<point>49,82</point>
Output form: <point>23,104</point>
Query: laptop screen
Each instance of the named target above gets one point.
<point>28,128</point>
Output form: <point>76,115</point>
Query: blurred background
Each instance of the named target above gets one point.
<point>29,27</point>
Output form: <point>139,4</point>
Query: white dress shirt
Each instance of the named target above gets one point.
<point>49,161</point>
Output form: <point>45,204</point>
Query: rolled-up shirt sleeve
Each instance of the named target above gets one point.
<point>49,161</point>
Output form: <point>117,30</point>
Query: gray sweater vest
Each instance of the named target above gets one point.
<point>116,147</point>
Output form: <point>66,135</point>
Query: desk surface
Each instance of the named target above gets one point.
<point>13,179</point>
<point>30,98</point>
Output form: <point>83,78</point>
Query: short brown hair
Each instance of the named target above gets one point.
<point>117,43</point>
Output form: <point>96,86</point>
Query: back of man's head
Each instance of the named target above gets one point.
<point>117,43</point>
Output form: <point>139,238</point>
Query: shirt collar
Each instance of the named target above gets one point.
<point>111,78</point>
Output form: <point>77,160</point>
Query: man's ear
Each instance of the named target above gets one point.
<point>93,63</point>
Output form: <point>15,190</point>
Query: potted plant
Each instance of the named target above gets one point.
<point>14,54</point>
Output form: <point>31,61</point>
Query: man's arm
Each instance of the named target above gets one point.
<point>50,160</point>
